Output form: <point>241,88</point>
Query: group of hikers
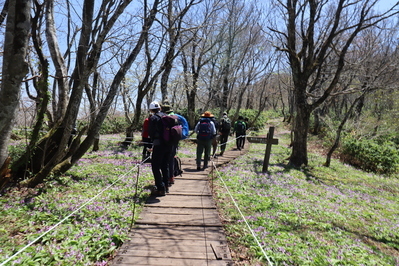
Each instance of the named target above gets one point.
<point>163,129</point>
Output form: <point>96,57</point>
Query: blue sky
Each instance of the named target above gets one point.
<point>385,4</point>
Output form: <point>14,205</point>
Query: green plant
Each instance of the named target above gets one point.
<point>371,155</point>
<point>312,216</point>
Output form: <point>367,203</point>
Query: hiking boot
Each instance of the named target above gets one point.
<point>155,192</point>
<point>171,180</point>
<point>198,168</point>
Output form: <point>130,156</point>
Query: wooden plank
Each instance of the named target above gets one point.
<point>179,216</point>
<point>145,261</point>
<point>166,252</point>
<point>198,186</point>
<point>182,201</point>
<point>194,245</point>
<point>149,232</point>
<point>257,140</point>
<point>262,140</point>
<point>217,252</point>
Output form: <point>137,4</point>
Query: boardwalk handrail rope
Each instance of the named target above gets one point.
<point>204,227</point>
<point>234,139</point>
<point>242,215</point>
<point>134,198</point>
<point>67,217</point>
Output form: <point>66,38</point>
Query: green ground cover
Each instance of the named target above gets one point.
<point>107,179</point>
<point>314,216</point>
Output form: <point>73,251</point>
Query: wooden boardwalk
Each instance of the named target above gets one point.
<point>181,228</point>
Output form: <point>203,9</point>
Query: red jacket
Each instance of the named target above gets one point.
<point>145,132</point>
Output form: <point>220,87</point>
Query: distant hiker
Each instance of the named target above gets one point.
<point>240,129</point>
<point>145,139</point>
<point>206,131</point>
<point>215,138</point>
<point>160,151</point>
<point>224,131</point>
<point>246,121</point>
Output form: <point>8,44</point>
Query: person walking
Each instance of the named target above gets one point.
<point>160,151</point>
<point>240,129</point>
<point>246,121</point>
<point>206,131</point>
<point>224,131</point>
<point>146,140</point>
<point>168,110</point>
<point>215,139</point>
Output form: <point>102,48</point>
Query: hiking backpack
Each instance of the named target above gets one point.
<point>172,131</point>
<point>240,127</point>
<point>145,132</point>
<point>226,125</point>
<point>204,129</point>
<point>184,124</point>
<point>177,171</point>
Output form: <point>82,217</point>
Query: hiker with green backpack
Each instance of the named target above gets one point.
<point>240,129</point>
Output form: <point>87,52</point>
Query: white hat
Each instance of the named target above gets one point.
<point>154,105</point>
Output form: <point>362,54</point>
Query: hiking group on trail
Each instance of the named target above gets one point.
<point>163,130</point>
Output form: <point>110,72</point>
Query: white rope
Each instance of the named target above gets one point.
<point>63,220</point>
<point>242,215</point>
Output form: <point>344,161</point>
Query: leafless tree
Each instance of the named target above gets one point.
<point>372,67</point>
<point>316,38</point>
<point>174,21</point>
<point>53,154</point>
<point>197,53</point>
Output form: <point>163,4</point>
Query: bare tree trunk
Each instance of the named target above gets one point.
<point>299,155</point>
<point>14,68</point>
<point>59,64</point>
<point>339,130</point>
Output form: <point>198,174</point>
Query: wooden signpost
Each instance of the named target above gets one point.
<point>269,141</point>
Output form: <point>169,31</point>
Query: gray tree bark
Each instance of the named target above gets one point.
<point>59,64</point>
<point>14,68</point>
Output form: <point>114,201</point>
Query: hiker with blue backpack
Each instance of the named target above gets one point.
<point>240,129</point>
<point>206,131</point>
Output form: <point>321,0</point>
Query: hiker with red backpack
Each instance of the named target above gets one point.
<point>161,151</point>
<point>174,161</point>
<point>206,131</point>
